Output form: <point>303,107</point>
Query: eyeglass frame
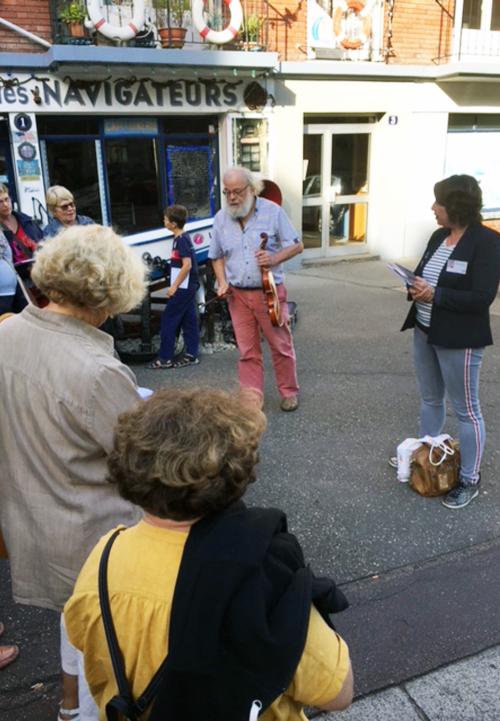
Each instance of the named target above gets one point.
<point>69,204</point>
<point>239,192</point>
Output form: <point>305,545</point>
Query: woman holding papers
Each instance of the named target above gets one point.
<point>457,281</point>
<point>180,311</point>
<point>64,390</point>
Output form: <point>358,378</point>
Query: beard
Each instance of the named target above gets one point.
<point>241,210</point>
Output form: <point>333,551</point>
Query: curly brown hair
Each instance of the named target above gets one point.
<point>183,454</point>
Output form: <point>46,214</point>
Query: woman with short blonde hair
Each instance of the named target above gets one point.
<point>90,268</point>
<point>64,388</point>
<point>62,207</point>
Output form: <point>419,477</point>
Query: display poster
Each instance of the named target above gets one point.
<point>27,166</point>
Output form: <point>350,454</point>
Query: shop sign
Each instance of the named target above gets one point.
<point>130,126</point>
<point>48,94</point>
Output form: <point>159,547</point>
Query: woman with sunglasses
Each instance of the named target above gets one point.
<point>61,205</point>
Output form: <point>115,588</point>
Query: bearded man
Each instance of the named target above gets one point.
<point>238,260</point>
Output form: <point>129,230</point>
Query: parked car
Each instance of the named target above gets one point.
<point>311,214</point>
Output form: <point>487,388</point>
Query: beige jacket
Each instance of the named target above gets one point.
<point>61,390</point>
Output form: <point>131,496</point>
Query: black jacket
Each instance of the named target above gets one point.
<point>239,617</point>
<point>460,312</point>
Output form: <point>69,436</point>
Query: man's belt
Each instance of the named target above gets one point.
<point>251,287</point>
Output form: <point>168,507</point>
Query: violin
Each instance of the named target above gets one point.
<point>270,290</point>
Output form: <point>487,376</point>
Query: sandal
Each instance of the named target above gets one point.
<point>187,360</point>
<point>159,364</point>
<point>8,654</point>
<point>70,714</point>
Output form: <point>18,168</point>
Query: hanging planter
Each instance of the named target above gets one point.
<point>172,37</point>
<point>171,18</point>
<point>72,15</point>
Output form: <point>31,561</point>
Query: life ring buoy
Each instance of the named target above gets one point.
<point>344,37</point>
<point>219,37</point>
<point>116,32</point>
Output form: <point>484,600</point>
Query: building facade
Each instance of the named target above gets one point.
<point>354,109</point>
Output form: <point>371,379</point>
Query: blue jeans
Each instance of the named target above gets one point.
<point>180,311</point>
<point>454,371</point>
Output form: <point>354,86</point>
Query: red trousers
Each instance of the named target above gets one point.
<point>250,319</point>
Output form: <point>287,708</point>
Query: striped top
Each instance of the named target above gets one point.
<point>431,272</point>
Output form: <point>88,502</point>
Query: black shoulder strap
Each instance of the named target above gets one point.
<point>123,704</point>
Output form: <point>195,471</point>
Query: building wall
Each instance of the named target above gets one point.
<point>32,15</point>
<point>407,157</point>
<point>287,29</point>
<point>421,32</point>
<point>421,29</point>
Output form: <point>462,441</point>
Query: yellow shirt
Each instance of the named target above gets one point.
<point>142,572</point>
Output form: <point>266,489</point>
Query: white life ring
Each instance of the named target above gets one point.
<point>116,32</point>
<point>218,36</point>
<point>363,30</point>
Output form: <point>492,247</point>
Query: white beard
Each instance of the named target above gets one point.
<point>241,210</point>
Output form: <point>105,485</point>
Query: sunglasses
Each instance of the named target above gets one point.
<point>66,206</point>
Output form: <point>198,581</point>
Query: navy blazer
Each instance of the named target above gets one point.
<point>460,310</point>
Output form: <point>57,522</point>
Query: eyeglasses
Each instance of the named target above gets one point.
<point>239,192</point>
<point>66,206</point>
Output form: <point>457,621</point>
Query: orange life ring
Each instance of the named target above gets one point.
<point>346,39</point>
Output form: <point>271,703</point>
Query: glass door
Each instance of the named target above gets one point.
<point>335,186</point>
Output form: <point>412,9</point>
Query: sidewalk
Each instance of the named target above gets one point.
<point>422,581</point>
<point>463,691</point>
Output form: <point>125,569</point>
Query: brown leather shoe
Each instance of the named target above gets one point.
<point>290,403</point>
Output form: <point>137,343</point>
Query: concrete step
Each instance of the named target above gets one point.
<point>336,259</point>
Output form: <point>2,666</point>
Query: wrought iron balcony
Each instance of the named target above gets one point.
<point>162,20</point>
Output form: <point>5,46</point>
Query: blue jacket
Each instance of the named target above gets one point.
<point>54,226</point>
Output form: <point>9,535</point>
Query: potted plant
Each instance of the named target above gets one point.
<point>171,18</point>
<point>251,30</point>
<point>73,14</point>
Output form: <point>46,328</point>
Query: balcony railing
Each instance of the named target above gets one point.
<point>253,34</point>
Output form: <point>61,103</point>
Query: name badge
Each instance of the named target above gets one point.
<point>457,266</point>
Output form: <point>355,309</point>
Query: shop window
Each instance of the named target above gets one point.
<point>73,164</point>
<point>133,182</point>
<point>477,154</point>
<point>250,143</point>
<point>63,125</point>
<point>190,179</point>
<point>473,121</point>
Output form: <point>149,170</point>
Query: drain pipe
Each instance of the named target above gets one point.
<point>25,33</point>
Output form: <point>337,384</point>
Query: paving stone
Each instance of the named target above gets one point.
<point>465,691</point>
